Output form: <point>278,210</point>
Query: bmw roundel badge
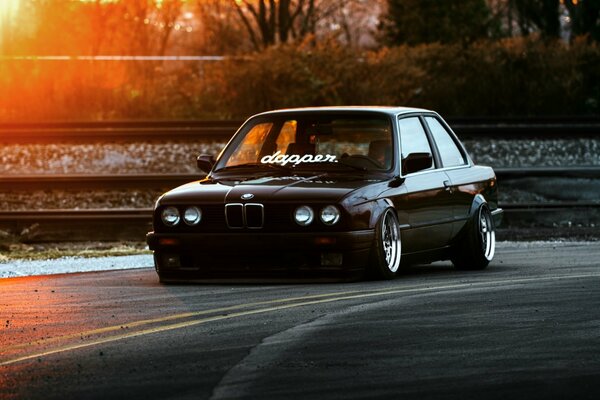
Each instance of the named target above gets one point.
<point>247,196</point>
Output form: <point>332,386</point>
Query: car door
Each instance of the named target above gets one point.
<point>455,163</point>
<point>426,205</point>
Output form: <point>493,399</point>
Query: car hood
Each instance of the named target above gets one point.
<point>316,188</point>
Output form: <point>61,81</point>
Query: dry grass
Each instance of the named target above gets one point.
<point>46,251</point>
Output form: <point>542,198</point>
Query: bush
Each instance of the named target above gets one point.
<point>512,77</point>
<point>509,77</point>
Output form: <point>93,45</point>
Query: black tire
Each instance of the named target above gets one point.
<point>387,248</point>
<point>477,246</point>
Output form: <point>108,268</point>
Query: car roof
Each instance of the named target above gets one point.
<point>391,110</point>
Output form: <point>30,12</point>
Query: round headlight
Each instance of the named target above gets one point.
<point>170,216</point>
<point>192,215</point>
<point>330,215</point>
<point>304,215</point>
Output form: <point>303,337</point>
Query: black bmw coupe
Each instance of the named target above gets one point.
<point>329,190</point>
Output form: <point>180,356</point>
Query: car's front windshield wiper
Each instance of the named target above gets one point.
<point>356,167</point>
<point>254,165</point>
<point>327,165</point>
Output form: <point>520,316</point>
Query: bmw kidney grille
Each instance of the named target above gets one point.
<point>239,216</point>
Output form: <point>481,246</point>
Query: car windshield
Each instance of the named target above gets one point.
<point>316,142</point>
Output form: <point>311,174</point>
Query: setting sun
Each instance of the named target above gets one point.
<point>8,8</point>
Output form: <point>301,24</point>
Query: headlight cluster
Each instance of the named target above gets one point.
<point>191,216</point>
<point>304,215</point>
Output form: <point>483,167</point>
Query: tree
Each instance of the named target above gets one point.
<point>427,21</point>
<point>523,17</point>
<point>220,30</point>
<point>543,15</point>
<point>269,21</point>
<point>585,17</point>
<point>168,14</point>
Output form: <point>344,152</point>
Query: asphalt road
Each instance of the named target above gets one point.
<point>527,327</point>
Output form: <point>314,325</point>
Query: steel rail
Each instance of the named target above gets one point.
<point>37,226</point>
<point>145,213</point>
<point>160,181</point>
<point>503,128</point>
<point>76,214</point>
<point>556,172</point>
<point>97,182</point>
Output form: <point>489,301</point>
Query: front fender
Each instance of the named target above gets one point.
<point>366,215</point>
<point>379,207</point>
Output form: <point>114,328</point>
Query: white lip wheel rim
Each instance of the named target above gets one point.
<point>390,240</point>
<point>487,235</point>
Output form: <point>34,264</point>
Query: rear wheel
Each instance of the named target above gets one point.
<point>478,245</point>
<point>387,249</point>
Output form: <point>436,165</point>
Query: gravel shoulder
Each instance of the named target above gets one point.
<point>65,265</point>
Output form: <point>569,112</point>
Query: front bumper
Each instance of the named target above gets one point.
<point>218,254</point>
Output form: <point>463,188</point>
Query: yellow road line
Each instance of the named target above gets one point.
<point>374,293</point>
<point>168,318</point>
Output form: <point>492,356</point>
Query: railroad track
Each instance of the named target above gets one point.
<point>132,224</point>
<point>539,219</point>
<point>97,182</point>
<point>505,128</point>
<point>126,131</point>
<point>160,181</point>
<point>145,214</point>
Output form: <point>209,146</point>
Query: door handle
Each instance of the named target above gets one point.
<point>448,186</point>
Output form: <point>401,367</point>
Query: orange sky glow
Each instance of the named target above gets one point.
<point>8,8</point>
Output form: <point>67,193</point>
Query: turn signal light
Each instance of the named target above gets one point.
<point>324,240</point>
<point>168,242</point>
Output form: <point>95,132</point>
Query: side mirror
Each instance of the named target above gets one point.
<point>205,162</point>
<point>416,162</point>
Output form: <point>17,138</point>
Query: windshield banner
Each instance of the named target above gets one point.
<point>296,159</point>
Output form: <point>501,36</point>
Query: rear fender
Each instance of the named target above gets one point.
<point>478,201</point>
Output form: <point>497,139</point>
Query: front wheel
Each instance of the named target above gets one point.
<point>387,249</point>
<point>476,248</point>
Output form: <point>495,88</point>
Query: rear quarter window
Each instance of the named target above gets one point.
<point>449,152</point>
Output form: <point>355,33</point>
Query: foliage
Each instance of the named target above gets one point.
<point>513,76</point>
<point>549,18</point>
<point>585,17</point>
<point>276,22</point>
<point>428,21</point>
<point>449,21</point>
<point>540,14</point>
<point>50,251</point>
<point>508,77</point>
<point>133,27</point>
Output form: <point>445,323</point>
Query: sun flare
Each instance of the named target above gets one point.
<point>8,8</point>
<point>8,11</point>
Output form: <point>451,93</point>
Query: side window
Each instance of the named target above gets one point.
<point>449,152</point>
<point>412,137</point>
